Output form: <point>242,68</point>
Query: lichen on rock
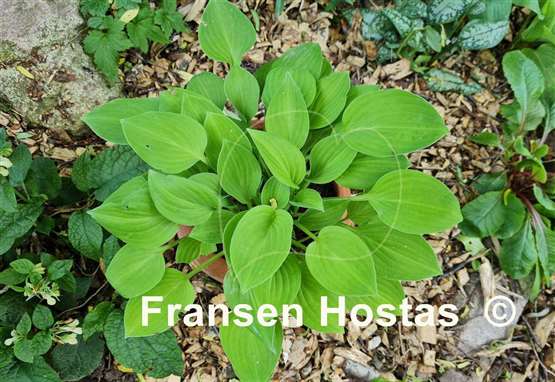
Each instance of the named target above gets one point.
<point>45,74</point>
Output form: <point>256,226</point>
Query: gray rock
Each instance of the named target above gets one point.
<point>43,37</point>
<point>477,331</point>
<point>359,371</point>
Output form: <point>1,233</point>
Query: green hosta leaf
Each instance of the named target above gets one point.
<point>254,350</point>
<point>413,202</point>
<point>341,262</point>
<point>135,270</point>
<point>287,116</point>
<point>519,253</point>
<point>331,97</point>
<point>210,86</point>
<point>107,171</point>
<point>21,159</point>
<point>207,179</point>
<point>43,178</point>
<point>156,356</point>
<point>526,80</point>
<point>242,89</point>
<point>444,81</point>
<point>105,120</point>
<point>75,362</point>
<point>130,214</point>
<point>276,80</point>
<point>166,141</point>
<point>239,172</point>
<point>334,212</point>
<point>174,288</point>
<point>229,230</point>
<point>308,198</point>
<point>284,160</point>
<point>225,33</point>
<point>42,317</point>
<point>372,127</point>
<point>329,158</point>
<point>95,319</point>
<point>182,200</point>
<point>359,90</point>
<point>191,249</point>
<point>397,255</point>
<point>309,298</point>
<point>196,106</point>
<point>360,212</point>
<point>8,202</point>
<point>365,170</point>
<point>280,289</point>
<point>260,243</point>
<point>273,189</point>
<point>219,128</point>
<point>85,235</point>
<point>306,56</point>
<point>388,292</point>
<point>446,11</point>
<point>38,371</point>
<point>212,230</point>
<point>479,35</point>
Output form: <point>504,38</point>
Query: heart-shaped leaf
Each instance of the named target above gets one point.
<point>372,127</point>
<point>135,270</point>
<point>413,202</point>
<point>260,243</point>
<point>341,262</point>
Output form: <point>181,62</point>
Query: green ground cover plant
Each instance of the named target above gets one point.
<point>50,256</point>
<point>256,187</point>
<point>515,208</point>
<point>115,26</point>
<point>427,32</point>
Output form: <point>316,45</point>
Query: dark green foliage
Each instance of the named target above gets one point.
<point>124,24</point>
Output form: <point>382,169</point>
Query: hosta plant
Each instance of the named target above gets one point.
<point>256,185</point>
<point>515,207</point>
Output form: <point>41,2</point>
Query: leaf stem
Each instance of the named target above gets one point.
<point>305,230</point>
<point>298,244</point>
<point>204,265</point>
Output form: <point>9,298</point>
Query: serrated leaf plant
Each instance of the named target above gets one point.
<point>116,26</point>
<point>514,208</point>
<point>256,186</point>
